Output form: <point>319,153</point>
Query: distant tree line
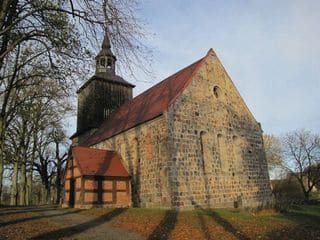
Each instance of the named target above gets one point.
<point>295,157</point>
<point>45,48</point>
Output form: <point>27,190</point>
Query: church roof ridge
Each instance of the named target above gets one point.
<point>147,105</point>
<point>212,52</point>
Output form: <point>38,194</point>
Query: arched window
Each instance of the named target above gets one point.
<point>102,62</point>
<point>237,154</point>
<point>135,155</point>
<point>223,153</point>
<point>109,63</point>
<point>217,92</point>
<point>206,150</point>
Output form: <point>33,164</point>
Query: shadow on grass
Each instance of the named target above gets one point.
<point>302,218</point>
<point>165,227</point>
<point>299,232</point>
<point>17,210</point>
<point>303,214</point>
<point>303,223</point>
<point>204,227</point>
<point>226,225</point>
<point>3,224</point>
<point>69,231</point>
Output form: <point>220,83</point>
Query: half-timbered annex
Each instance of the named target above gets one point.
<point>95,177</point>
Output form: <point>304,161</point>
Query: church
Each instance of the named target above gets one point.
<point>189,141</point>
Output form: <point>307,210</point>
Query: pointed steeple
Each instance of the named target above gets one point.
<point>105,60</point>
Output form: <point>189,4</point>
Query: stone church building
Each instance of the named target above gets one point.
<point>189,141</point>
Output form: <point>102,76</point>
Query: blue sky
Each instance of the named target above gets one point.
<point>271,50</point>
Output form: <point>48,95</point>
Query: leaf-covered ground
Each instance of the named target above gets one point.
<point>301,222</point>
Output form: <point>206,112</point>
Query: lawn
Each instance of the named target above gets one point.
<point>300,222</point>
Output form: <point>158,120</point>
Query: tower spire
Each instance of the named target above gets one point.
<point>105,60</point>
<point>106,41</point>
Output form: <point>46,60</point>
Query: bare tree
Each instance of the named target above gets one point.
<point>51,38</point>
<point>60,158</point>
<point>301,151</point>
<point>272,146</point>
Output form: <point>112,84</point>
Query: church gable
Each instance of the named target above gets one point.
<point>211,87</point>
<point>215,138</point>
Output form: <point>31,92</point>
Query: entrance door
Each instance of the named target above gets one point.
<point>71,193</point>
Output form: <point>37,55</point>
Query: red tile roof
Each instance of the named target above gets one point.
<point>146,106</point>
<point>99,162</point>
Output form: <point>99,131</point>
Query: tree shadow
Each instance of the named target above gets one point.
<point>204,227</point>
<point>3,224</point>
<point>226,225</point>
<point>304,223</point>
<point>69,231</point>
<point>165,227</point>
<point>302,232</point>
<point>17,210</point>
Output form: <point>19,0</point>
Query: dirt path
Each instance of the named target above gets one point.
<point>78,226</point>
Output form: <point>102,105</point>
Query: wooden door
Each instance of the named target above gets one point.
<point>71,192</point>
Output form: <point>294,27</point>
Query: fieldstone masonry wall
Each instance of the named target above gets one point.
<point>145,156</point>
<point>217,155</point>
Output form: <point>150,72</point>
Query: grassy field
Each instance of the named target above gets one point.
<point>300,222</point>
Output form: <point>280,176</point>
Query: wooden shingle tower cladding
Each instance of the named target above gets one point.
<point>101,94</point>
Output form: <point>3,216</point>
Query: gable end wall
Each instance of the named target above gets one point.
<point>217,156</point>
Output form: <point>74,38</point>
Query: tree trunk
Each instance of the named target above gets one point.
<point>46,195</point>
<point>45,188</point>
<point>23,183</point>
<point>58,184</point>
<point>1,154</point>
<point>1,169</point>
<point>30,171</point>
<point>58,178</point>
<point>23,168</point>
<point>29,187</point>
<point>306,195</point>
<point>14,186</point>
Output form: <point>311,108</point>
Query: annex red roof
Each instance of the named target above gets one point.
<point>146,106</point>
<point>99,162</point>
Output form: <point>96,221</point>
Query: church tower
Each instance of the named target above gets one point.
<point>101,94</point>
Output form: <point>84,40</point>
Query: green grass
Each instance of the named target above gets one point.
<point>305,214</point>
<point>299,222</point>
